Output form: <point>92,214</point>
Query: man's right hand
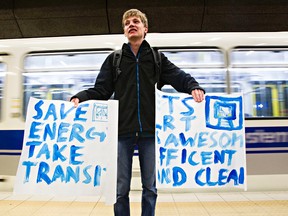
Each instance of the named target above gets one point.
<point>75,101</point>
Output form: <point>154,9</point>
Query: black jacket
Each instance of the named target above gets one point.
<point>135,87</point>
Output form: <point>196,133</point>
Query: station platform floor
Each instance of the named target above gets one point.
<point>263,203</point>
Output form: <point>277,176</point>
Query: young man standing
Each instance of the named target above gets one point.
<point>134,87</point>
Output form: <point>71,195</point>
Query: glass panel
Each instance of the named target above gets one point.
<point>263,81</point>
<point>60,76</point>
<point>2,76</point>
<point>206,66</point>
<point>65,61</point>
<point>195,58</point>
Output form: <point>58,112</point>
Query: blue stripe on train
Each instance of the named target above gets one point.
<point>266,137</point>
<point>11,139</point>
<point>266,152</point>
<point>267,145</point>
<point>256,137</point>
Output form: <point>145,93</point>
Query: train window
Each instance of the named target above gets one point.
<point>2,76</point>
<point>195,58</point>
<point>206,65</point>
<point>262,75</point>
<point>58,76</point>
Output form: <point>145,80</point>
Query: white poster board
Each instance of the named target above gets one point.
<point>69,151</point>
<point>200,145</point>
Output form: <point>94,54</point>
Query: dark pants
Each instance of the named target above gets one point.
<point>146,148</point>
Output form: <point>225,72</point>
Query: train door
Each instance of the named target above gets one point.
<point>263,75</point>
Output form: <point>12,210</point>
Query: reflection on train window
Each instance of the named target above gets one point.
<point>241,57</point>
<point>64,61</point>
<point>262,75</point>
<point>59,76</point>
<point>2,77</point>
<point>206,65</point>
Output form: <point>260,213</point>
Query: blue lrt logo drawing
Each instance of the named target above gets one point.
<point>227,113</point>
<point>100,112</point>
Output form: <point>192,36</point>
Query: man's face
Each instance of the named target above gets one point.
<point>134,28</point>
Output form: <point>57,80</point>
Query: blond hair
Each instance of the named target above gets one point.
<point>137,13</point>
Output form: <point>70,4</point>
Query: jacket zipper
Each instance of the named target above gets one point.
<point>138,91</point>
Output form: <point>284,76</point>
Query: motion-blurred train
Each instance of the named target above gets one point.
<point>255,64</point>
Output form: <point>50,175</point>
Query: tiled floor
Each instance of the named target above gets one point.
<point>274,203</point>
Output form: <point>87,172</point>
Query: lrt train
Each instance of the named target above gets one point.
<point>254,64</point>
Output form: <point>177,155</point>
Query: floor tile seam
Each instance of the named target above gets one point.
<point>277,199</point>
<point>37,210</point>
<point>258,204</point>
<point>74,201</point>
<point>197,201</point>
<point>95,206</point>
<point>6,196</point>
<point>47,203</point>
<point>202,204</point>
<point>14,207</point>
<point>175,204</point>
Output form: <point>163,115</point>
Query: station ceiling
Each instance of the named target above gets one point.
<point>42,18</point>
